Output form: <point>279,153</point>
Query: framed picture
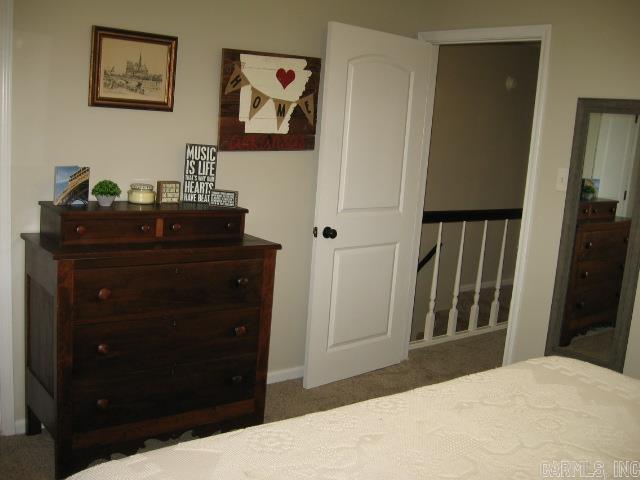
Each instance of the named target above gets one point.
<point>268,101</point>
<point>132,69</point>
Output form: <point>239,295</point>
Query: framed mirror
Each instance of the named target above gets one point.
<point>599,255</point>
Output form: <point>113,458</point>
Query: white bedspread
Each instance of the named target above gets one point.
<point>533,419</point>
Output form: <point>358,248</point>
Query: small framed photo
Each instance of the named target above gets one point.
<point>224,198</point>
<point>168,192</point>
<point>132,69</point>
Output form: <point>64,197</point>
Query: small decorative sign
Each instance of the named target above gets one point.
<point>168,191</point>
<point>71,185</point>
<point>224,198</point>
<point>268,101</point>
<point>200,163</point>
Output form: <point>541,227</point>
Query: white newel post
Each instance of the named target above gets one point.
<point>475,309</point>
<point>453,313</point>
<point>495,304</point>
<point>431,316</point>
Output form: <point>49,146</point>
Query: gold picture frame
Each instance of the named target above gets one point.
<point>132,69</point>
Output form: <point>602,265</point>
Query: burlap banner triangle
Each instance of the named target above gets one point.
<point>307,105</point>
<point>237,80</point>
<point>258,100</point>
<point>282,108</point>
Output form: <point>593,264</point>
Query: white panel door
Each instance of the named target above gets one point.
<point>369,192</point>
<point>614,157</point>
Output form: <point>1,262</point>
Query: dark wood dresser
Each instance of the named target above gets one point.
<point>144,321</point>
<point>599,254</point>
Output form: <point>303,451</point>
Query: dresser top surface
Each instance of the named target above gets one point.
<point>93,209</point>
<point>62,252</point>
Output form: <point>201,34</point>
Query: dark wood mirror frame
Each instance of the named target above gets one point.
<point>586,106</point>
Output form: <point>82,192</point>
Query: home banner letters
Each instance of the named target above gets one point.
<point>259,99</point>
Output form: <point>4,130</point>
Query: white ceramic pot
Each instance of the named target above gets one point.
<point>105,200</point>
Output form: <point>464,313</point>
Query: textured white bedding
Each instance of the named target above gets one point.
<point>544,417</point>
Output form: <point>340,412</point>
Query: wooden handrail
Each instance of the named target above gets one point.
<point>449,216</point>
<point>428,257</point>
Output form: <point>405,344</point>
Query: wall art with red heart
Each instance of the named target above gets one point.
<point>268,101</point>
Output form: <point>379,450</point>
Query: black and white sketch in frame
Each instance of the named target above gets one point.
<point>134,68</point>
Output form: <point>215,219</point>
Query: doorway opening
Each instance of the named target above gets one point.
<point>484,106</point>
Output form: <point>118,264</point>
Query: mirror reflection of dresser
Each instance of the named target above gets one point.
<point>597,264</point>
<point>599,254</point>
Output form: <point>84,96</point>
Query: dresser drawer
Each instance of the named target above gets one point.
<point>77,231</point>
<point>601,244</point>
<point>162,392</point>
<point>109,292</point>
<point>203,227</point>
<point>593,272</point>
<point>586,301</point>
<point>115,348</point>
<point>597,210</point>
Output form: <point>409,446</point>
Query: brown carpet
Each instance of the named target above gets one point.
<point>31,458</point>
<point>596,343</point>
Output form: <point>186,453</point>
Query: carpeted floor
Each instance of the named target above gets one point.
<point>31,458</point>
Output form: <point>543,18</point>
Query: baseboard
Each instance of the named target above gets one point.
<point>21,426</point>
<point>488,284</point>
<point>285,374</point>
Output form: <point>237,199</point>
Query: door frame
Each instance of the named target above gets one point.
<point>526,33</point>
<point>7,399</point>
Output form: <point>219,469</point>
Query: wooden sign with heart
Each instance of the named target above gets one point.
<point>268,101</point>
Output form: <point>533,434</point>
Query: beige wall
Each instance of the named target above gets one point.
<point>593,53</point>
<point>477,159</point>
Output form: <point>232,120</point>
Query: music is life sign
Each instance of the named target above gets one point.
<point>200,163</point>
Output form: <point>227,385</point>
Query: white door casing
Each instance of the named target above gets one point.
<point>7,410</point>
<point>370,189</point>
<point>523,33</point>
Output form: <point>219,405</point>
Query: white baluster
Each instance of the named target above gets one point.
<point>495,305</point>
<point>453,313</point>
<point>431,316</point>
<point>475,309</point>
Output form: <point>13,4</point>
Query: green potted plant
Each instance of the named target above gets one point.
<point>588,192</point>
<point>106,191</point>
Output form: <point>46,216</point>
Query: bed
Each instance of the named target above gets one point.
<point>550,417</point>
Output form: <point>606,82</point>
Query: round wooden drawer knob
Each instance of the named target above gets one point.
<point>104,294</point>
<point>595,210</point>
<point>242,281</point>
<point>230,225</point>
<point>102,404</point>
<point>586,211</point>
<point>240,331</point>
<point>176,227</point>
<point>103,349</point>
<point>580,304</point>
<point>584,275</point>
<point>81,229</point>
<point>588,245</point>
<point>237,379</point>
<point>145,228</point>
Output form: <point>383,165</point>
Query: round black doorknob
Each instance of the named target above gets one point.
<point>329,232</point>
